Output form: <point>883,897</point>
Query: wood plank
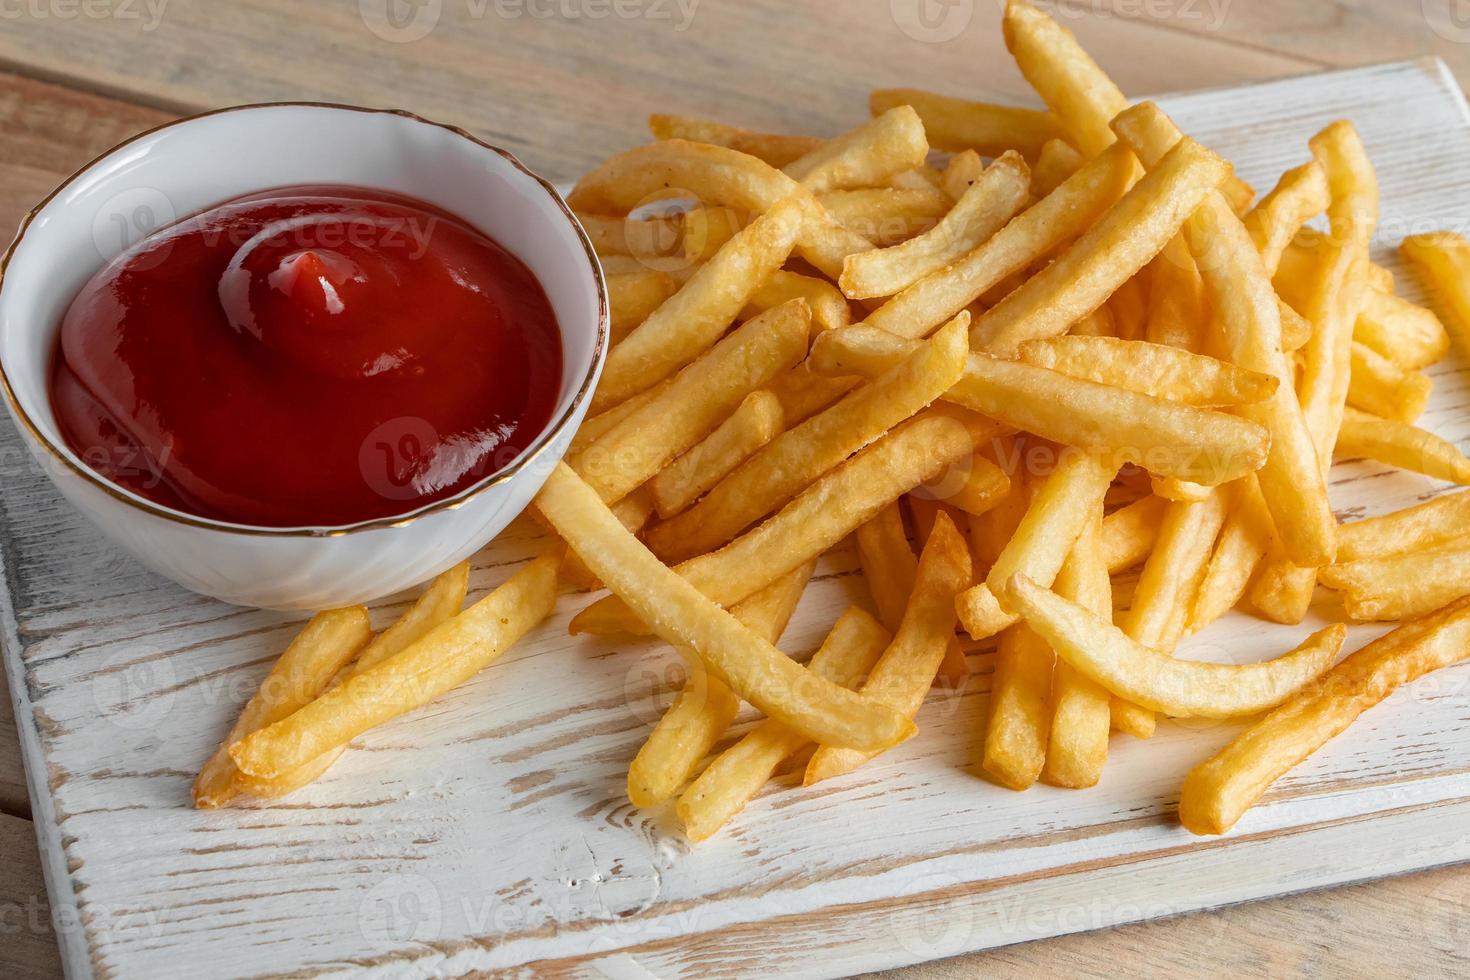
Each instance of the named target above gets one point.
<point>27,933</point>
<point>564,92</point>
<point>14,801</point>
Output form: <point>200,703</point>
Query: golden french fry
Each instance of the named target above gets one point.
<point>886,215</point>
<point>1056,162</point>
<point>1107,255</point>
<point>828,305</point>
<point>1443,260</point>
<point>450,654</point>
<point>1064,75</point>
<point>985,207</point>
<point>1404,446</point>
<point>707,229</point>
<point>1154,369</point>
<point>655,237</point>
<point>752,668</point>
<point>1182,688</point>
<point>441,601</point>
<point>963,169</point>
<point>1401,586</point>
<point>1129,533</point>
<point>756,422</point>
<point>1410,336</point>
<point>634,512</point>
<point>905,671</point>
<point>1244,541</point>
<point>694,318</point>
<point>1077,748</point>
<point>697,400</point>
<point>705,707</point>
<point>1248,313</point>
<point>803,392</point>
<point>737,774</point>
<point>778,150</point>
<point>600,425</point>
<point>1019,724</point>
<point>792,460</point>
<point>1217,792</point>
<point>324,646</point>
<point>1166,437</point>
<point>958,124</point>
<point>1296,329</point>
<point>1383,388</point>
<point>1299,196</point>
<point>1177,309</point>
<point>831,508</point>
<point>888,144</point>
<point>1428,525</point>
<point>633,296</point>
<point>1057,218</point>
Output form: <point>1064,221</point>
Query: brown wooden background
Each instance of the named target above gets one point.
<point>565,82</point>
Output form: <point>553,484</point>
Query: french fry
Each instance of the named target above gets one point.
<point>707,229</point>
<point>601,424</point>
<point>1379,386</point>
<point>440,601</point>
<point>705,707</point>
<point>1443,260</point>
<point>633,296</point>
<point>450,654</point>
<point>694,318</point>
<point>697,400</point>
<point>1216,793</point>
<point>1154,369</point>
<point>1401,586</point>
<point>831,508</point>
<point>886,216</point>
<point>888,144</point>
<point>1129,533</point>
<point>985,207</point>
<point>1019,723</point>
<point>752,668</point>
<point>1059,511</point>
<point>1407,447</point>
<point>1244,541</point>
<point>778,150</point>
<point>1077,748</point>
<point>639,237</point>
<point>634,512</point>
<point>801,454</point>
<point>1410,336</point>
<point>1296,329</point>
<point>828,305</point>
<point>1181,688</point>
<point>905,671</point>
<point>1248,313</point>
<point>1177,309</point>
<point>1299,196</point>
<point>1168,438</point>
<point>1056,162</point>
<point>958,124</point>
<point>754,423</point>
<point>737,774</point>
<point>1107,255</point>
<point>1035,233</point>
<point>962,170</point>
<point>1428,525</point>
<point>1064,75</point>
<point>324,646</point>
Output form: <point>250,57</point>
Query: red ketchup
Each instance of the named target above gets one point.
<point>307,356</point>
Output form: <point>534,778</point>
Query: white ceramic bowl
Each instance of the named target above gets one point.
<point>181,168</point>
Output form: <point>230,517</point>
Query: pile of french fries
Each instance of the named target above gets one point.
<point>1077,347</point>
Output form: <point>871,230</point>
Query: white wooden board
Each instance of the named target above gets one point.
<point>491,830</point>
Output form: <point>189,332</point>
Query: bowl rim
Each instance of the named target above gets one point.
<point>532,453</point>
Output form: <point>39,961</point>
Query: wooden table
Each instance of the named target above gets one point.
<point>565,82</point>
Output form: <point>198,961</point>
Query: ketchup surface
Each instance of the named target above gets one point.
<point>307,356</point>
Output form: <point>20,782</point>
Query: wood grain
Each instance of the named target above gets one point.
<point>27,934</point>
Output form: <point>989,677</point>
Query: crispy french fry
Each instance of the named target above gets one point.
<point>1166,437</point>
<point>1401,586</point>
<point>962,170</point>
<point>828,305</point>
<point>792,460</point>
<point>1107,255</point>
<point>1404,446</point>
<point>324,646</point>
<point>633,296</point>
<point>958,124</point>
<point>707,229</point>
<point>611,235</point>
<point>985,207</point>
<point>1299,196</point>
<point>778,150</point>
<point>738,773</point>
<point>1181,688</point>
<point>886,216</point>
<point>756,422</point>
<point>634,512</point>
<point>1383,388</point>
<point>1057,218</point>
<point>1077,748</point>
<point>1019,723</point>
<point>1217,792</point>
<point>1296,329</point>
<point>450,654</point>
<point>1410,336</point>
<point>1064,75</point>
<point>1428,525</point>
<point>440,601</point>
<point>1129,533</point>
<point>697,400</point>
<point>831,508</point>
<point>599,425</point>
<point>693,319</point>
<point>890,143</point>
<point>705,707</point>
<point>803,392</point>
<point>1154,369</point>
<point>905,671</point>
<point>1056,162</point>
<point>1244,541</point>
<point>1443,260</point>
<point>1177,309</point>
<point>752,668</point>
<point>1248,313</point>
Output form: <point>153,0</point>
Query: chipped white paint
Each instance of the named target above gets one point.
<point>490,830</point>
